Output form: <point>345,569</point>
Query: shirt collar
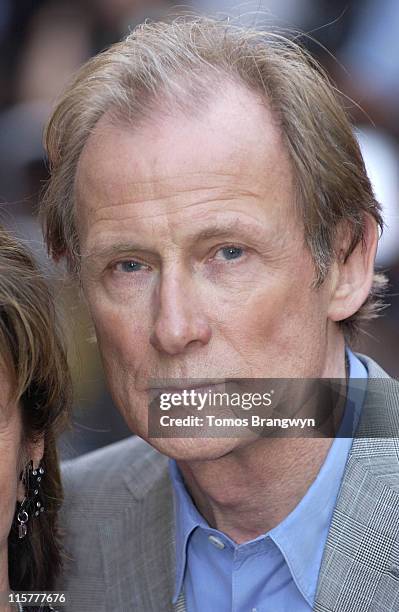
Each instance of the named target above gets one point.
<point>187,519</point>
<point>302,535</point>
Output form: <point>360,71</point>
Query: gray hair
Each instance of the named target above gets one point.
<point>177,63</point>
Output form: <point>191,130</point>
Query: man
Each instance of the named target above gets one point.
<point>209,195</point>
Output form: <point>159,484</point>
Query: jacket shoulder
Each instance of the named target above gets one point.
<point>130,467</point>
<point>118,506</point>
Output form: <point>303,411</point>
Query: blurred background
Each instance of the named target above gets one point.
<point>42,42</point>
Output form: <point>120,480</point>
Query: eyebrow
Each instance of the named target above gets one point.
<point>216,230</point>
<point>238,226</point>
<point>114,249</point>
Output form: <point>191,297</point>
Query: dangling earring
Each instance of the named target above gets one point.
<point>31,504</point>
<point>34,488</point>
<point>23,518</point>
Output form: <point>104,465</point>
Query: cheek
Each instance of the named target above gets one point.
<point>9,474</point>
<point>277,327</point>
<point>122,335</point>
<point>123,340</point>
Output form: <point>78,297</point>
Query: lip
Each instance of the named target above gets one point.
<point>198,386</point>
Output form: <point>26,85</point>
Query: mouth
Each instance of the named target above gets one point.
<point>198,386</point>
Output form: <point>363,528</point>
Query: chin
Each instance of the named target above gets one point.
<point>182,448</point>
<point>194,449</point>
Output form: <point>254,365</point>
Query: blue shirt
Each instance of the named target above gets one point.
<point>278,570</point>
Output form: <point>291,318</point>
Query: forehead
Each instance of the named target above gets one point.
<point>236,132</point>
<point>232,147</point>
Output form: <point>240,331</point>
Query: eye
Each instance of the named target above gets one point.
<point>129,266</point>
<point>230,252</point>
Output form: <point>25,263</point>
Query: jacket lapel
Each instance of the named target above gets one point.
<point>360,566</point>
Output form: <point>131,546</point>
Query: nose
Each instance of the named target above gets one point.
<point>179,320</point>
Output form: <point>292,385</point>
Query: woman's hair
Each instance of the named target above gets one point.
<point>32,352</point>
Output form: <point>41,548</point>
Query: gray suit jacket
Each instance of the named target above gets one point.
<point>118,517</point>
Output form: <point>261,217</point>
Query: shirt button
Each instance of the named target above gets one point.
<point>216,542</point>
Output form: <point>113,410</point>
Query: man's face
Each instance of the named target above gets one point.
<point>193,257</point>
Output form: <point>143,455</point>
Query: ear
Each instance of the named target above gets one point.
<point>353,276</point>
<point>34,452</point>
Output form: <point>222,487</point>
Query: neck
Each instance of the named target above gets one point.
<point>253,488</point>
